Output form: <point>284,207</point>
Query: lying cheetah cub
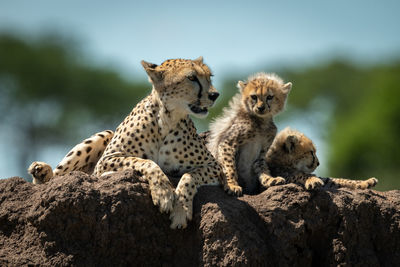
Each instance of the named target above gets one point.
<point>240,138</point>
<point>292,155</point>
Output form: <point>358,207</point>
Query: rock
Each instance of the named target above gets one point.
<point>87,221</point>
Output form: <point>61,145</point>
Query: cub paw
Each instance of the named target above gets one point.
<point>41,172</point>
<point>180,216</point>
<point>268,181</point>
<point>235,190</point>
<point>313,183</point>
<point>164,197</point>
<point>371,182</point>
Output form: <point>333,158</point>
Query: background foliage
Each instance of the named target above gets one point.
<point>50,96</point>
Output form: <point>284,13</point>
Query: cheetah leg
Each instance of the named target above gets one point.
<point>313,182</point>
<point>161,189</point>
<point>267,181</point>
<point>232,187</point>
<point>309,181</point>
<point>186,190</point>
<point>82,157</point>
<point>229,174</point>
<point>352,184</point>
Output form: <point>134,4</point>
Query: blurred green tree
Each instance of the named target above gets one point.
<point>49,95</point>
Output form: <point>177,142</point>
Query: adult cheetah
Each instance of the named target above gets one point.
<point>158,138</point>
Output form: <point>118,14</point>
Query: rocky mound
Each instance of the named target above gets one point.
<point>85,221</point>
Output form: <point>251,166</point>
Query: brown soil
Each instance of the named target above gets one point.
<point>81,220</point>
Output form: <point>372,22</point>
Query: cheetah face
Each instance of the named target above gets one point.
<point>294,150</point>
<point>307,162</point>
<point>184,85</point>
<point>264,97</point>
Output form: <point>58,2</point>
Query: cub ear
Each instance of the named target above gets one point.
<point>154,74</point>
<point>290,143</point>
<point>198,60</point>
<point>241,85</point>
<point>287,87</point>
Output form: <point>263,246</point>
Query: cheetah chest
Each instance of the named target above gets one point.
<point>247,155</point>
<point>179,154</point>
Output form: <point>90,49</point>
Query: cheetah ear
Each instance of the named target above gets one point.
<point>198,60</point>
<point>290,143</point>
<point>286,88</point>
<point>154,74</point>
<point>241,85</point>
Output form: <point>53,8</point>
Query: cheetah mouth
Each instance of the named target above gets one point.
<point>198,110</point>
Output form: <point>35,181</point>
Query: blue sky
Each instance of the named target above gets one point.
<point>233,36</point>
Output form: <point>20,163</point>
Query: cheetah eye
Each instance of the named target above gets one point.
<point>192,78</point>
<point>254,97</point>
<point>270,97</point>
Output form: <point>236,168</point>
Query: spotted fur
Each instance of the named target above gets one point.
<point>158,138</point>
<point>293,156</point>
<point>240,138</point>
<point>82,157</point>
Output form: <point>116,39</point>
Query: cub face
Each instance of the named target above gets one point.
<point>292,149</point>
<point>264,94</point>
<point>183,85</point>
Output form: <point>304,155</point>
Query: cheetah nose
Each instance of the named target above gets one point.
<point>317,163</point>
<point>213,96</point>
<point>261,109</point>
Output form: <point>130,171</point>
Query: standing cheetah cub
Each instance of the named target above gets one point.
<point>240,138</point>
<point>292,155</point>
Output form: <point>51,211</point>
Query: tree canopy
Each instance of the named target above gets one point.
<point>49,95</point>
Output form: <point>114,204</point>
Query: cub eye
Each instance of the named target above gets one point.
<point>254,97</point>
<point>192,77</point>
<point>270,97</point>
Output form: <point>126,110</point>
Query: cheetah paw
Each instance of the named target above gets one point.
<point>164,197</point>
<point>313,183</point>
<point>234,190</point>
<point>267,181</point>
<point>180,216</point>
<point>371,182</point>
<point>41,172</point>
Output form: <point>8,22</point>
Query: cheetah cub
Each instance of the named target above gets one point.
<point>240,138</point>
<point>292,155</point>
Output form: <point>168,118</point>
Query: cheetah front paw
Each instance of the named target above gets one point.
<point>180,216</point>
<point>371,182</point>
<point>313,183</point>
<point>232,189</point>
<point>41,172</point>
<point>164,197</point>
<point>268,181</point>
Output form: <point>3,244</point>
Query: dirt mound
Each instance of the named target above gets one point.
<point>82,220</point>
